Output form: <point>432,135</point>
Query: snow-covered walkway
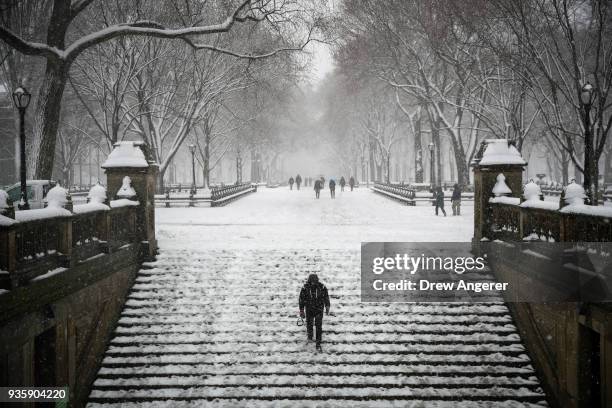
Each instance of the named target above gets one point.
<point>212,322</point>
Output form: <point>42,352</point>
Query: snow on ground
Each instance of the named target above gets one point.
<point>278,218</point>
<point>212,322</point>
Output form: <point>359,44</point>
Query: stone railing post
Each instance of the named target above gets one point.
<point>133,159</point>
<point>60,197</point>
<point>8,249</point>
<point>494,157</point>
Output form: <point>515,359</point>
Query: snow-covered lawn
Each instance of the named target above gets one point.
<point>279,218</point>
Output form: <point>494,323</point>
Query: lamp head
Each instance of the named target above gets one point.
<point>431,147</point>
<point>192,148</point>
<point>586,94</point>
<point>21,97</point>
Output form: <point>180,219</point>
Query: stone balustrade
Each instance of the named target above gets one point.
<point>39,241</point>
<point>65,271</point>
<point>569,342</point>
<point>518,219</point>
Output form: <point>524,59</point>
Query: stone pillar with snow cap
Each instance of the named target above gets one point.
<point>97,194</point>
<point>133,159</point>
<point>58,197</point>
<point>573,194</point>
<point>495,156</point>
<point>6,205</point>
<point>532,192</point>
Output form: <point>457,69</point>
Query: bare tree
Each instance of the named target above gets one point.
<point>192,22</point>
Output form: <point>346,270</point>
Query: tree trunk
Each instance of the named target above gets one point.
<point>372,174</point>
<point>66,176</point>
<point>206,166</point>
<point>161,188</point>
<point>253,179</point>
<point>565,172</point>
<point>41,150</point>
<point>608,168</point>
<point>388,170</point>
<point>418,151</point>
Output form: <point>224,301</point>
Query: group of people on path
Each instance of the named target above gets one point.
<point>438,195</point>
<point>298,181</point>
<point>319,185</point>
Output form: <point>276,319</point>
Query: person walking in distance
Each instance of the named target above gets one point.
<point>291,183</point>
<point>456,200</point>
<point>332,188</point>
<point>352,182</point>
<point>342,183</point>
<point>317,188</point>
<point>439,200</point>
<point>314,298</point>
<point>298,181</point>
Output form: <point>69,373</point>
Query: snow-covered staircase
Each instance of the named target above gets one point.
<point>218,328</point>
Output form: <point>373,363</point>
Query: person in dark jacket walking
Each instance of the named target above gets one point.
<point>456,200</point>
<point>298,181</point>
<point>332,188</point>
<point>342,183</point>
<point>352,182</point>
<point>291,183</point>
<point>314,298</point>
<point>317,188</point>
<point>439,200</point>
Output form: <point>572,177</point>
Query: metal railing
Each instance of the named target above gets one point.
<point>397,192</point>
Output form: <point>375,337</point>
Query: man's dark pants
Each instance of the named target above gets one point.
<point>316,317</point>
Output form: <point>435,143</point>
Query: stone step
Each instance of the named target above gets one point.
<point>427,392</point>
<point>324,402</point>
<point>467,369</point>
<point>128,319</point>
<point>330,329</point>
<point>221,331</point>
<point>437,358</point>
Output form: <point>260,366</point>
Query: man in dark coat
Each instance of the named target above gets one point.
<point>439,200</point>
<point>291,183</point>
<point>332,188</point>
<point>352,182</point>
<point>314,298</point>
<point>298,181</point>
<point>456,200</point>
<point>342,183</point>
<point>317,188</point>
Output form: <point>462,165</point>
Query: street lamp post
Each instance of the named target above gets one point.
<point>21,99</point>
<point>431,164</point>
<point>586,97</point>
<point>192,149</point>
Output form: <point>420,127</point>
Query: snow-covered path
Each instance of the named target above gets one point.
<point>212,322</point>
<point>278,218</point>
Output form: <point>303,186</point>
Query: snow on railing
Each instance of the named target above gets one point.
<point>568,220</point>
<point>59,234</point>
